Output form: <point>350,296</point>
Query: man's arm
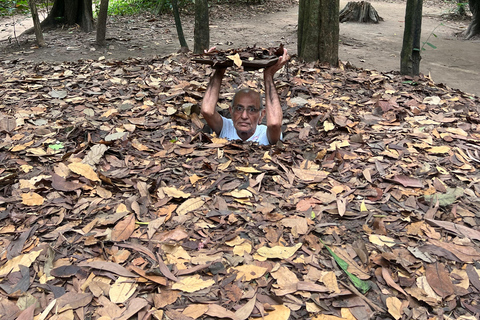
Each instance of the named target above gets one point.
<point>272,101</point>
<point>209,112</point>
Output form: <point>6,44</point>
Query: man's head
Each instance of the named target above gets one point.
<point>247,112</point>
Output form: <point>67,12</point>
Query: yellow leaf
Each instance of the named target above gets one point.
<point>266,156</point>
<point>394,306</point>
<point>122,289</point>
<point>235,242</point>
<point>457,131</point>
<point>337,189</point>
<point>278,252</point>
<point>32,199</point>
<point>328,126</point>
<point>381,240</point>
<point>327,317</point>
<point>363,207</point>
<point>223,166</point>
<point>247,170</point>
<point>441,149</point>
<point>220,140</point>
<point>175,193</point>
<point>240,249</point>
<point>249,272</point>
<point>37,151</point>
<point>312,307</point>
<point>347,314</point>
<point>330,280</point>
<point>171,110</point>
<point>194,178</point>
<point>14,264</point>
<point>244,193</point>
<point>195,310</point>
<point>22,146</point>
<point>190,205</point>
<point>442,170</point>
<point>121,208</point>
<point>236,59</point>
<point>26,168</point>
<point>192,284</point>
<point>137,145</point>
<point>338,144</point>
<point>84,170</point>
<point>108,113</point>
<point>280,313</point>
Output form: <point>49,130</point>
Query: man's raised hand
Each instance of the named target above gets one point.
<point>282,60</point>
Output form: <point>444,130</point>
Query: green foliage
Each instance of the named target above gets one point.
<point>428,43</point>
<point>11,7</point>
<point>360,284</point>
<point>461,8</point>
<point>131,7</point>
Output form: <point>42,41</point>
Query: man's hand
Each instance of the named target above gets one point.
<point>273,108</point>
<point>209,112</point>
<point>279,65</point>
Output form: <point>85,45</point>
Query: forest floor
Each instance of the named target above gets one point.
<point>117,203</point>
<point>372,46</point>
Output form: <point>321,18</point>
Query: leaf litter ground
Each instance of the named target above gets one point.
<point>116,202</point>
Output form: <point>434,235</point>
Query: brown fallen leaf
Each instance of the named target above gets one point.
<point>108,266</point>
<point>124,229</point>
<point>388,279</point>
<point>439,280</point>
<point>217,311</point>
<point>408,181</point>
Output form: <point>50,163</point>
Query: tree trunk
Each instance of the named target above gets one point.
<point>102,23</point>
<point>359,12</point>
<point>71,12</point>
<point>474,27</point>
<point>318,30</point>
<point>201,35</point>
<point>178,24</point>
<point>410,55</point>
<point>36,23</point>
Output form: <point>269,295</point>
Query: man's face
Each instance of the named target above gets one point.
<point>246,113</point>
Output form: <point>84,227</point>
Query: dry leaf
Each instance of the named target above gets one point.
<point>195,310</point>
<point>32,199</point>
<point>175,193</point>
<point>280,312</point>
<point>84,170</point>
<point>190,205</point>
<point>14,264</point>
<point>124,229</point>
<point>394,307</point>
<point>122,289</point>
<point>247,170</point>
<point>249,272</point>
<point>236,59</point>
<point>278,252</point>
<point>192,284</point>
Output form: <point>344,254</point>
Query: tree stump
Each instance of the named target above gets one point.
<point>359,12</point>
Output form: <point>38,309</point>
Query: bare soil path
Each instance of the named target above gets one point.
<point>455,62</point>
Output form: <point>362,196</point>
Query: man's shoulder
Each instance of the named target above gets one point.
<point>228,129</point>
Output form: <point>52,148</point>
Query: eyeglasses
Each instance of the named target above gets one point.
<point>240,109</point>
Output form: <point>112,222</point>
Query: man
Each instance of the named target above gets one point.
<point>246,109</point>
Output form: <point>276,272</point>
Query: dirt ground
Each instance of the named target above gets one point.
<point>455,62</point>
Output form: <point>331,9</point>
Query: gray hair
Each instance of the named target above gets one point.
<point>247,91</point>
